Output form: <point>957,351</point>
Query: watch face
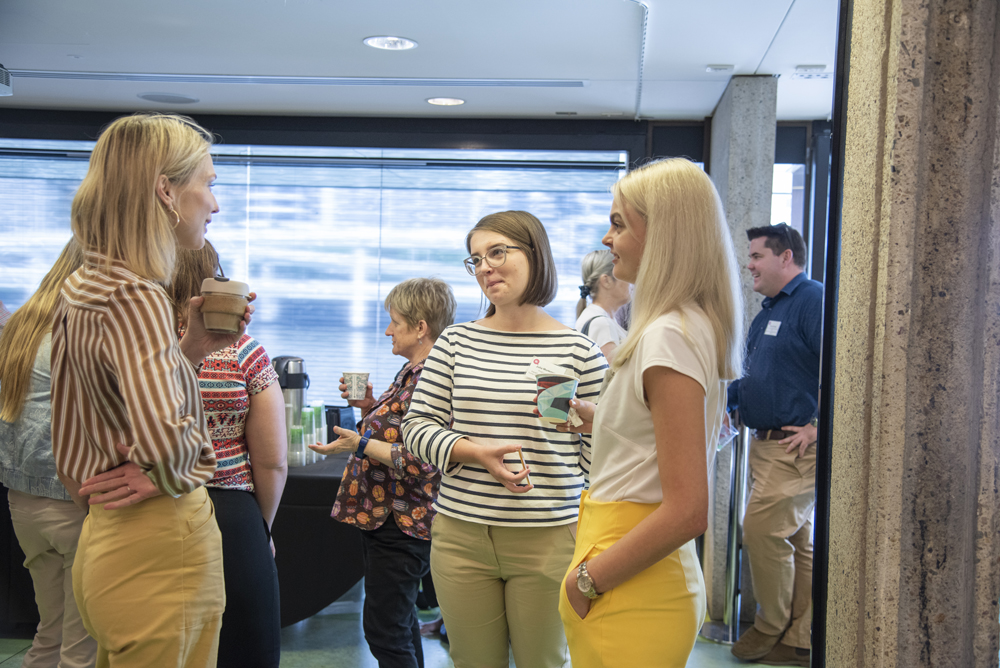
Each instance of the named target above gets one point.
<point>584,583</point>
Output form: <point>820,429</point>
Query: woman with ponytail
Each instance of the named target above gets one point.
<point>607,295</point>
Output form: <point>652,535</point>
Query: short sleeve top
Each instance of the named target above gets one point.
<point>625,464</point>
<point>228,378</point>
<point>603,328</point>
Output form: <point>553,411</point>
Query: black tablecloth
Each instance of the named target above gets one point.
<point>318,558</point>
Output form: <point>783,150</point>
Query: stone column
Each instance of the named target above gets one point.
<point>914,543</point>
<point>741,164</point>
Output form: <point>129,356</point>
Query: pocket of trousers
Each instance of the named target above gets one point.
<point>569,610</point>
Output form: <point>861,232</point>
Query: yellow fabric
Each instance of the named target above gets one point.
<point>652,620</point>
<point>148,581</point>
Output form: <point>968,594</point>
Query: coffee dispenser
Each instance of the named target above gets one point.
<point>293,381</point>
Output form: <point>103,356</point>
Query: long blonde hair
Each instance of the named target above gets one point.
<point>116,210</point>
<point>688,256</point>
<point>25,330</point>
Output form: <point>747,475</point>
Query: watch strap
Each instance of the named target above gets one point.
<point>360,452</point>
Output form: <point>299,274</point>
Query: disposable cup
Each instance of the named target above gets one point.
<point>357,384</point>
<point>554,393</point>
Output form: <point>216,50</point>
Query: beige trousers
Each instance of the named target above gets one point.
<point>777,535</point>
<point>149,583</point>
<point>48,531</point>
<point>498,588</point>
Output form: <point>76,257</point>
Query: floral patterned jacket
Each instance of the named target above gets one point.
<point>369,490</point>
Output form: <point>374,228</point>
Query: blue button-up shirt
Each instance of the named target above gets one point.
<point>780,385</point>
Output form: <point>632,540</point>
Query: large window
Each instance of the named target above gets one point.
<point>323,234</point>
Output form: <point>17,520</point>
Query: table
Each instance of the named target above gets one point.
<point>318,558</point>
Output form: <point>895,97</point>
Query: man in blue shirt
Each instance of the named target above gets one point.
<point>777,398</point>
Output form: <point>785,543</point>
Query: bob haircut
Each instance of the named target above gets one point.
<point>116,211</point>
<point>427,299</point>
<point>688,256</point>
<point>527,232</point>
<point>22,337</point>
<point>191,268</point>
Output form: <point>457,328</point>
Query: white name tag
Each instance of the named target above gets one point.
<point>540,367</point>
<point>772,328</point>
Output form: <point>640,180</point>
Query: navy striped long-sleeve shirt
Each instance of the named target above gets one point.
<point>477,376</point>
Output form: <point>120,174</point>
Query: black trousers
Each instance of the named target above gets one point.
<point>251,625</point>
<point>394,564</point>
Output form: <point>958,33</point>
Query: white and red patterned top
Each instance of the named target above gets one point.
<point>228,378</point>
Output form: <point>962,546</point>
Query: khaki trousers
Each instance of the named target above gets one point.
<point>48,531</point>
<point>777,534</point>
<point>149,583</point>
<point>498,588</point>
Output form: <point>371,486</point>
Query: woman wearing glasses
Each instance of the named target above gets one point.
<point>635,589</point>
<point>502,538</point>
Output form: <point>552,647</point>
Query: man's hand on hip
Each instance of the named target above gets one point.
<point>803,438</point>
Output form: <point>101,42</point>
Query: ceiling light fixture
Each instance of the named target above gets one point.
<point>390,43</point>
<point>445,101</point>
<point>719,69</point>
<point>168,98</point>
<point>810,69</point>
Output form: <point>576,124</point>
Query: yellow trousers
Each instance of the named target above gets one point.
<point>148,582</point>
<point>652,619</point>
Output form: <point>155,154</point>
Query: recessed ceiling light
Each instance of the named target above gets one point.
<point>168,98</point>
<point>445,101</point>
<point>809,69</point>
<point>390,43</point>
<point>717,69</point>
<point>565,113</point>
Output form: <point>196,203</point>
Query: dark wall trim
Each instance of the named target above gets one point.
<point>678,139</point>
<point>511,134</point>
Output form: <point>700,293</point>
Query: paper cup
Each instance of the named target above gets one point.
<point>224,305</point>
<point>357,384</point>
<point>554,393</point>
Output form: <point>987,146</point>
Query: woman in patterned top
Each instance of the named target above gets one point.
<point>387,492</point>
<point>246,419</point>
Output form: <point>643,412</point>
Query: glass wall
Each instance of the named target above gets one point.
<point>322,234</point>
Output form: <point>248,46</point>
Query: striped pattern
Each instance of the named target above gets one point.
<point>118,376</point>
<point>477,376</point>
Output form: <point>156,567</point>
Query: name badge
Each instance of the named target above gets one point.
<point>772,328</point>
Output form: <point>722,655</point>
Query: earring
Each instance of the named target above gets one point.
<point>420,342</point>
<point>178,221</point>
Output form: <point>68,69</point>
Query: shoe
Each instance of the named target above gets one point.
<point>784,655</point>
<point>430,629</point>
<point>753,645</point>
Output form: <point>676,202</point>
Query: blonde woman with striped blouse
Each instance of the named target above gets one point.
<point>125,401</point>
<point>502,537</point>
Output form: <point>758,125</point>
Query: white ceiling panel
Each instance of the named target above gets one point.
<point>597,42</point>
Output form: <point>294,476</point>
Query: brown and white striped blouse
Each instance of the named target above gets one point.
<point>119,376</point>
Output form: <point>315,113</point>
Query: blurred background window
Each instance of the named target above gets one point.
<point>322,234</point>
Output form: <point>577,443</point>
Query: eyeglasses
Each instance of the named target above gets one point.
<point>495,257</point>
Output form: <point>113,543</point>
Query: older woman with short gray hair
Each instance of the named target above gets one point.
<point>386,492</point>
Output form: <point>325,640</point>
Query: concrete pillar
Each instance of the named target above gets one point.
<point>741,163</point>
<point>914,571</point>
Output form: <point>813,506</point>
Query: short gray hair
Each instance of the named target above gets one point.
<point>427,299</point>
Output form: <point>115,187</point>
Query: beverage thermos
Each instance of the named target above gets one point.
<point>293,381</point>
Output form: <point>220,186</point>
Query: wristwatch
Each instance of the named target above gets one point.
<point>584,582</point>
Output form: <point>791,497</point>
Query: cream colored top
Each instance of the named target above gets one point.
<point>625,466</point>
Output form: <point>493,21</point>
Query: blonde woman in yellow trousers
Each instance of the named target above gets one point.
<point>127,416</point>
<point>634,593</point>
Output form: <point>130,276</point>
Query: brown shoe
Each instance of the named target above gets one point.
<point>783,655</point>
<point>753,645</point>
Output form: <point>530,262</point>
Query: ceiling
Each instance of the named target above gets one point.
<point>510,59</point>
